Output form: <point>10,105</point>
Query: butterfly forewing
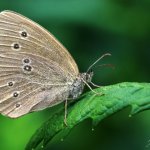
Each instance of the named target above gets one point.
<point>38,39</point>
<point>32,64</point>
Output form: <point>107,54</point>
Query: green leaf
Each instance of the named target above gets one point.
<point>93,106</point>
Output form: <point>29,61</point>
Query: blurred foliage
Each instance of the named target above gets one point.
<point>90,28</point>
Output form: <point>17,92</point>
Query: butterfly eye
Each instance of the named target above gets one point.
<point>10,83</point>
<point>26,60</point>
<point>15,94</point>
<point>24,34</point>
<point>27,68</point>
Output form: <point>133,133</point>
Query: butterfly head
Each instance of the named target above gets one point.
<point>89,75</point>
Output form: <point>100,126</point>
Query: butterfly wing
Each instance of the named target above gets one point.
<point>37,42</point>
<point>31,97</point>
<point>34,67</point>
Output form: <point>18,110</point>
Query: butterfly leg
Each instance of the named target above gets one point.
<point>95,85</point>
<point>65,116</point>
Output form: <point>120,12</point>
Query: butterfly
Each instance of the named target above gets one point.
<point>36,70</point>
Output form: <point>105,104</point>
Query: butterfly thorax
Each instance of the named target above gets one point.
<point>77,87</point>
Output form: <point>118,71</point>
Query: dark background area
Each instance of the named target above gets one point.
<point>88,29</point>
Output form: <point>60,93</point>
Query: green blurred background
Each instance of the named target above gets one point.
<point>88,29</point>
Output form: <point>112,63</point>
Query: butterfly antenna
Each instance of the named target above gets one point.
<point>107,54</point>
<point>107,65</point>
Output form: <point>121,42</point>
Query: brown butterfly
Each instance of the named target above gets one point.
<point>36,71</point>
